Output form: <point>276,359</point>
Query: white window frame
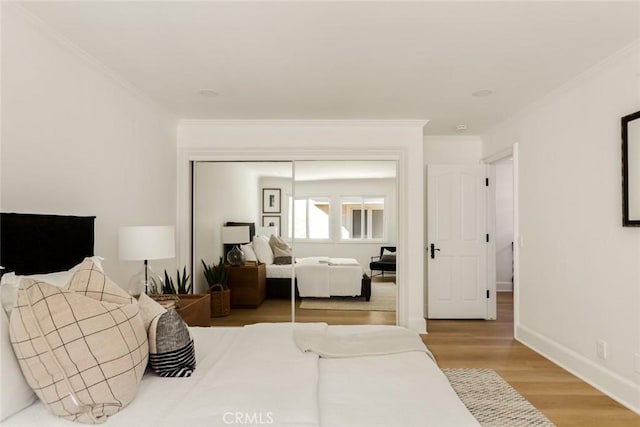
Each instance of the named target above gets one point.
<point>291,219</point>
<point>369,228</point>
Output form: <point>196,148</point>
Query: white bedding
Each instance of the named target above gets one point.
<point>279,271</point>
<point>257,375</point>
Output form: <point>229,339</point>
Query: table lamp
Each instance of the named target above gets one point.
<point>144,243</point>
<point>235,235</point>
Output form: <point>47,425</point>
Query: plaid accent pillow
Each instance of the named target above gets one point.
<point>83,349</point>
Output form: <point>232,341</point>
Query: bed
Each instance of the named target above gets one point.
<point>319,277</point>
<point>259,375</point>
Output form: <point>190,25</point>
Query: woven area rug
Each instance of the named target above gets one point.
<point>492,401</point>
<point>383,298</point>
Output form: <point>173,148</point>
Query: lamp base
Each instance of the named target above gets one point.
<point>235,256</point>
<point>145,281</point>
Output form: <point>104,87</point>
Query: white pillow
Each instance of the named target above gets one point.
<point>249,253</point>
<point>11,282</point>
<point>263,250</point>
<point>16,394</point>
<point>387,252</point>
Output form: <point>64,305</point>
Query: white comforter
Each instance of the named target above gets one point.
<point>256,375</point>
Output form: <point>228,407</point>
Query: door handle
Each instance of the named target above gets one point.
<point>433,250</point>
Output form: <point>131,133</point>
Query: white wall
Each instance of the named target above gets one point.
<point>579,279</point>
<point>452,150</point>
<point>77,141</point>
<point>223,191</point>
<point>325,140</point>
<point>504,224</point>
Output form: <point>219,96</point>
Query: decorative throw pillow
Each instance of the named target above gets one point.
<point>83,353</point>
<point>282,260</point>
<point>263,250</point>
<point>17,394</point>
<point>171,349</point>
<point>388,256</point>
<point>249,253</point>
<point>282,252</point>
<point>278,242</point>
<point>89,280</point>
<point>149,310</point>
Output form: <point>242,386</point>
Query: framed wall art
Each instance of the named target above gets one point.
<point>631,170</point>
<point>270,200</point>
<point>271,221</point>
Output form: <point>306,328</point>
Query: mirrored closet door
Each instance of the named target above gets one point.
<point>237,208</point>
<point>345,216</point>
<point>333,220</point>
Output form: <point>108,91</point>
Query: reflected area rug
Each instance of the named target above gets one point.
<point>383,298</point>
<point>492,401</point>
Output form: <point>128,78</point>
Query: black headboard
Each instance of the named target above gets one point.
<point>34,243</point>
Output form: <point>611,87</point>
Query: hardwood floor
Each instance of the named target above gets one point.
<point>562,397</point>
<point>279,310</point>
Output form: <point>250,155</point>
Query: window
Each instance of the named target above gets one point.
<point>311,217</point>
<point>362,218</point>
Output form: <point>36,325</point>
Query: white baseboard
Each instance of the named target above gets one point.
<point>610,383</point>
<point>418,324</point>
<point>504,287</point>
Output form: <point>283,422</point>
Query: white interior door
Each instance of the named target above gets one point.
<point>457,242</point>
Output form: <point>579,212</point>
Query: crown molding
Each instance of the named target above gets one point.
<point>307,123</point>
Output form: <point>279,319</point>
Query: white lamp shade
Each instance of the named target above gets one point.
<point>235,234</point>
<point>146,242</point>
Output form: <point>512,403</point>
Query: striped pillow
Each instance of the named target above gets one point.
<point>171,349</point>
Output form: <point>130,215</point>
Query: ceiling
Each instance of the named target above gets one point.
<point>346,60</point>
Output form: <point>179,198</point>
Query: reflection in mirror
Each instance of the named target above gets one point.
<point>631,169</point>
<point>342,222</point>
<point>239,205</point>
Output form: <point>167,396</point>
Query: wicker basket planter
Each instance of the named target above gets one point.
<point>220,301</point>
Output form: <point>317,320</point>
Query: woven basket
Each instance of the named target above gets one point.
<point>220,302</point>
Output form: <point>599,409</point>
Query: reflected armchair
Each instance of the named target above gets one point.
<point>384,262</point>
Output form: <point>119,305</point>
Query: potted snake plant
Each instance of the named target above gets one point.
<point>184,282</point>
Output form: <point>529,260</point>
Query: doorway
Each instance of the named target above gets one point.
<point>504,243</point>
<point>506,251</point>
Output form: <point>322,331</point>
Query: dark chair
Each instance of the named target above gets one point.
<point>384,263</point>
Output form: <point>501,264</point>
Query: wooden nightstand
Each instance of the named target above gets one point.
<point>248,284</point>
<point>195,309</point>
